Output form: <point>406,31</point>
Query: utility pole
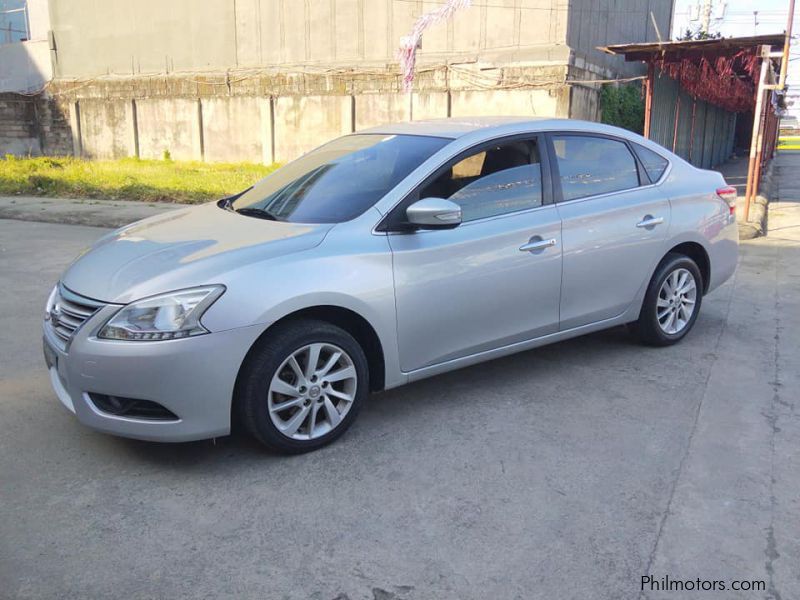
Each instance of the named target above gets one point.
<point>762,110</point>
<point>756,140</point>
<point>705,21</point>
<point>786,45</point>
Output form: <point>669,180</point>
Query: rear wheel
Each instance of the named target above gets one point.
<point>302,386</point>
<point>672,302</point>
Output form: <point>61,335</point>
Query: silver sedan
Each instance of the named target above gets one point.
<point>381,258</point>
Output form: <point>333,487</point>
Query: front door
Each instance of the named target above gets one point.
<point>495,279</point>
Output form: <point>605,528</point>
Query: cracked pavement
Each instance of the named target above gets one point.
<point>565,472</point>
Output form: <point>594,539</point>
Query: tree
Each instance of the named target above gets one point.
<point>699,34</point>
<point>622,105</point>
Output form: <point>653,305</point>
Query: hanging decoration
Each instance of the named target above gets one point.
<point>407,52</point>
<point>724,81</point>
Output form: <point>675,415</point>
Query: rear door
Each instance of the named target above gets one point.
<point>614,225</point>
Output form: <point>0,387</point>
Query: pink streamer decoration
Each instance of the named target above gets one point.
<point>407,52</point>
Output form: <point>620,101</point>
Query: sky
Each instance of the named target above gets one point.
<point>12,24</point>
<point>737,19</point>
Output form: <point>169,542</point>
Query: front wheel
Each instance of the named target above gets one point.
<point>302,386</point>
<point>672,302</point>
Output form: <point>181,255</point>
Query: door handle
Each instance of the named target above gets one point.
<point>649,222</point>
<point>536,243</point>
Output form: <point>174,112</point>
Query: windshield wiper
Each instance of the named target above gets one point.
<point>259,213</point>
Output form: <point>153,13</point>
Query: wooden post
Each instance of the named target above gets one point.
<point>691,133</point>
<point>759,151</point>
<point>677,116</point>
<point>755,139</point>
<point>648,98</point>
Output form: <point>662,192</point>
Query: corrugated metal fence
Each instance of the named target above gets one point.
<point>695,130</point>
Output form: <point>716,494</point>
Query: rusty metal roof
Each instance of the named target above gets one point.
<point>647,51</point>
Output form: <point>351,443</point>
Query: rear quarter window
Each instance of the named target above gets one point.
<point>654,163</point>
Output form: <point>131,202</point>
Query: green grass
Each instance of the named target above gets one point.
<point>126,179</point>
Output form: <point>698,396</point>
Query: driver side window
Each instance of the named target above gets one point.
<point>497,180</point>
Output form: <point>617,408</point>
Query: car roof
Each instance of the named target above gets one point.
<point>456,127</point>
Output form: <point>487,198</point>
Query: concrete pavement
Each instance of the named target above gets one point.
<point>738,481</point>
<point>735,173</point>
<point>569,471</point>
<point>95,213</point>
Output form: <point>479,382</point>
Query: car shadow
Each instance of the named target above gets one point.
<point>239,448</point>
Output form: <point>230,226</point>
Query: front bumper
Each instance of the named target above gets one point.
<point>192,377</point>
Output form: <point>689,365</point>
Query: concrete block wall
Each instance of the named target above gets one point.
<point>277,117</point>
<point>55,133</point>
<point>237,128</point>
<point>240,128</point>
<point>304,122</point>
<point>18,132</point>
<point>169,125</point>
<point>376,109</point>
<point>534,103</point>
<point>105,128</point>
<point>33,125</point>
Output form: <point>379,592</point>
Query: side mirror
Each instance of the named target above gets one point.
<point>434,213</point>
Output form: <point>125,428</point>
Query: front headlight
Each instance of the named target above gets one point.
<point>48,308</point>
<point>163,317</point>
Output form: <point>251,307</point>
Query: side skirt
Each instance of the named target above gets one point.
<point>480,357</point>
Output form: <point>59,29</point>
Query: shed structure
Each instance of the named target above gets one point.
<point>700,95</point>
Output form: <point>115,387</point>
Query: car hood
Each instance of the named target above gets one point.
<point>180,249</point>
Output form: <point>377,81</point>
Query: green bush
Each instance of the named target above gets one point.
<point>623,106</point>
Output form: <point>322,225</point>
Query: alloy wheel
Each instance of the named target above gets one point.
<point>676,303</point>
<point>312,391</point>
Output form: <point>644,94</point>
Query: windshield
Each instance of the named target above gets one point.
<point>337,181</point>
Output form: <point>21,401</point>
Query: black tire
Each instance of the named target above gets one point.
<point>647,329</point>
<point>267,356</point>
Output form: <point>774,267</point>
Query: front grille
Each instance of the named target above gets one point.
<point>69,311</point>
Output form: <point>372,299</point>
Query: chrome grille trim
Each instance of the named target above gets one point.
<point>69,312</point>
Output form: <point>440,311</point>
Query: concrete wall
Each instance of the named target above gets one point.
<point>34,125</point>
<point>304,122</point>
<point>18,131</point>
<point>106,128</point>
<point>264,80</point>
<point>170,125</point>
<point>237,129</point>
<point>535,103</point>
<point>26,66</point>
<point>121,117</point>
<point>38,18</point>
<point>151,36</point>
<point>593,23</point>
<point>584,102</point>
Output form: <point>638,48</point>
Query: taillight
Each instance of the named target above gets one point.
<point>728,194</point>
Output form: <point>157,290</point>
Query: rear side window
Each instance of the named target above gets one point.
<point>501,179</point>
<point>654,163</point>
<point>591,165</point>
